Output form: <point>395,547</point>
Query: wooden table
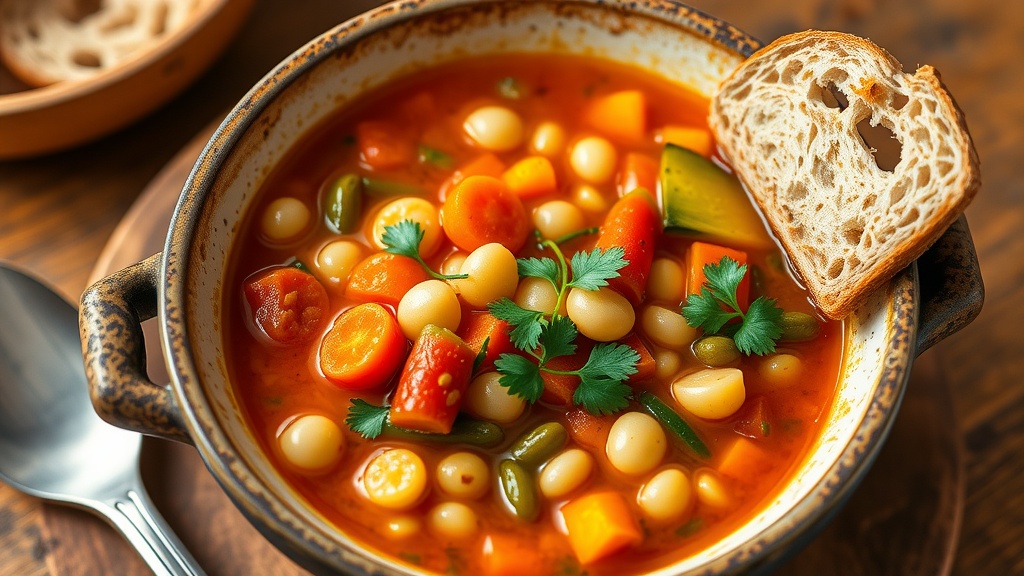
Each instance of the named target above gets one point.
<point>951,479</point>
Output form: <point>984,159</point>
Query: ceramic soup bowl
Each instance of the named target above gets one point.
<point>184,284</point>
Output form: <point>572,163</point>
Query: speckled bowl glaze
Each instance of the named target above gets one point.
<point>184,284</point>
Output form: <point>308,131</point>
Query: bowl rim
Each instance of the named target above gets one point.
<point>772,544</point>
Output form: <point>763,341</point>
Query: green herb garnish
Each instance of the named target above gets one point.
<point>545,336</point>
<point>404,239</point>
<point>366,419</point>
<point>715,308</point>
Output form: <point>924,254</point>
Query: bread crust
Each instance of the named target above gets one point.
<point>847,224</point>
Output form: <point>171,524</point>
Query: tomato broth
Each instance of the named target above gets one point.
<point>416,138</point>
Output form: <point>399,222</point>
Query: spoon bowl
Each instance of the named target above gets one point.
<point>53,445</point>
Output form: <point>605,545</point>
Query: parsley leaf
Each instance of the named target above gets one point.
<point>366,419</point>
<point>558,338</point>
<point>592,270</point>
<point>610,362</point>
<point>603,396</point>
<point>481,355</point>
<point>521,376</point>
<point>545,268</point>
<point>526,325</point>
<point>716,306</point>
<point>404,239</point>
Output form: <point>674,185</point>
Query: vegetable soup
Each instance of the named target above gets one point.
<point>512,315</point>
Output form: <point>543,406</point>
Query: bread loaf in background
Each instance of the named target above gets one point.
<point>47,41</point>
<point>787,120</point>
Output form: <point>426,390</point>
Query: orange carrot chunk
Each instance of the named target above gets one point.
<point>589,431</point>
<point>433,382</point>
<point>690,137</point>
<point>646,365</point>
<point>621,115</point>
<point>363,349</point>
<point>385,144</point>
<point>703,253</point>
<point>745,460</point>
<point>634,224</point>
<point>638,171</point>
<point>531,177</point>
<point>384,277</point>
<point>479,327</point>
<point>510,555</point>
<point>480,210</point>
<point>287,304</point>
<point>600,524</point>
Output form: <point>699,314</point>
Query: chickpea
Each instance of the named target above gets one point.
<point>780,370</point>
<point>463,475</point>
<point>565,473</point>
<point>589,199</point>
<point>666,497</point>
<point>666,328</point>
<point>453,263</point>
<point>337,259</point>
<point>312,443</point>
<point>494,128</point>
<point>395,479</point>
<point>593,159</point>
<point>284,219</point>
<point>557,218</point>
<point>537,294</point>
<point>666,281</point>
<point>493,274</point>
<point>603,315</point>
<point>429,302</point>
<point>712,490</point>
<point>421,211</point>
<point>548,140</point>
<point>486,398</point>
<point>452,520</point>
<point>636,443</point>
<point>713,394</point>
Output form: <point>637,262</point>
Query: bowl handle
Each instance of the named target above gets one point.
<point>951,288</point>
<point>110,321</point>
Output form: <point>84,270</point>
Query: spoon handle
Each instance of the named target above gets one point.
<point>136,517</point>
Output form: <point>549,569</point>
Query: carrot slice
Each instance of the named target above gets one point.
<point>600,524</point>
<point>638,171</point>
<point>480,210</point>
<point>384,277</point>
<point>433,382</point>
<point>363,348</point>
<point>703,253</point>
<point>621,115</point>
<point>288,304</point>
<point>634,224</point>
<point>587,430</point>
<point>531,177</point>
<point>384,144</point>
<point>487,164</point>
<point>690,137</point>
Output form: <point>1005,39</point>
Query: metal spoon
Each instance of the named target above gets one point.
<point>52,443</point>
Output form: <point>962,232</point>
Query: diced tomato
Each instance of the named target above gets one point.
<point>433,382</point>
<point>288,304</point>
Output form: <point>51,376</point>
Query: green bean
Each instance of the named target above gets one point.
<point>675,423</point>
<point>536,446</point>
<point>797,326</point>
<point>518,487</point>
<point>716,351</point>
<point>464,431</point>
<point>343,203</point>
<point>387,188</point>
<point>436,157</point>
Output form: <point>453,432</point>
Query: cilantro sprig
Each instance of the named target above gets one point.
<point>716,308</point>
<point>404,239</point>
<point>546,336</point>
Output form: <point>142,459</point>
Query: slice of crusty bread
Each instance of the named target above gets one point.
<point>846,224</point>
<point>47,41</point>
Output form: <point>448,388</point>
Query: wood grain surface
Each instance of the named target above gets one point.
<point>922,510</point>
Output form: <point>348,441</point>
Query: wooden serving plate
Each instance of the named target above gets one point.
<point>903,520</point>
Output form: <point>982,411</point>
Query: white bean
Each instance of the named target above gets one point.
<point>556,218</point>
<point>548,140</point>
<point>566,472</point>
<point>589,199</point>
<point>486,398</point>
<point>712,490</point>
<point>284,219</point>
<point>593,159</point>
<point>312,443</point>
<point>666,281</point>
<point>713,393</point>
<point>667,364</point>
<point>463,475</point>
<point>452,520</point>
<point>337,259</point>
<point>493,274</point>
<point>666,328</point>
<point>494,128</point>
<point>780,370</point>
<point>667,496</point>
<point>537,294</point>
<point>603,315</point>
<point>429,302</point>
<point>636,443</point>
<point>402,527</point>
